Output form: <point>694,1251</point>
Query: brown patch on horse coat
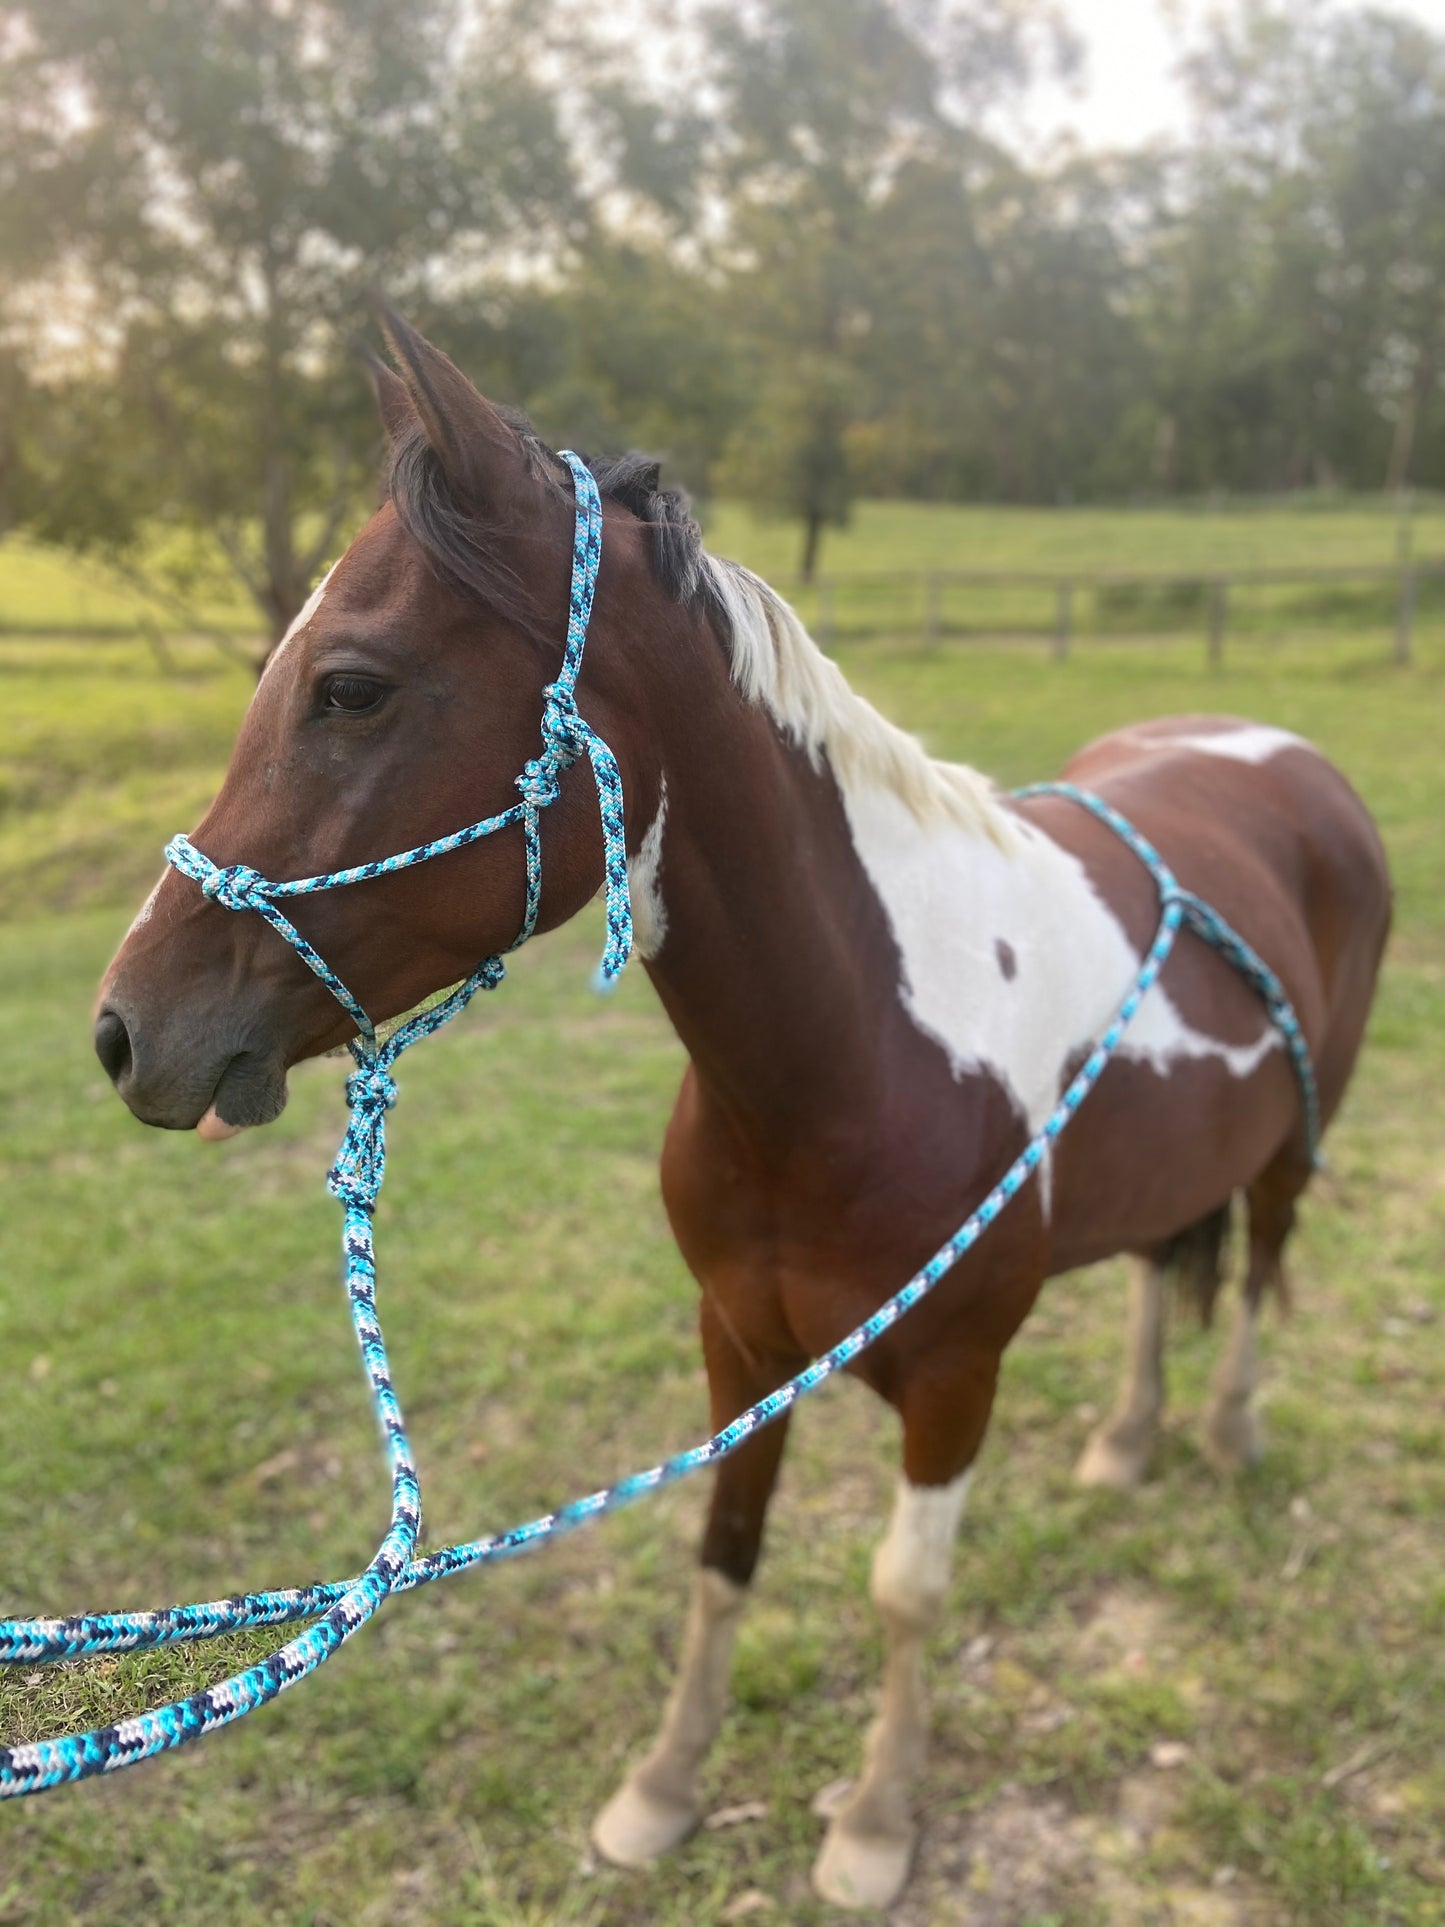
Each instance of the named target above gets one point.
<point>1008,962</point>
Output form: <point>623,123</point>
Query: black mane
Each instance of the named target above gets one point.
<point>469,554</point>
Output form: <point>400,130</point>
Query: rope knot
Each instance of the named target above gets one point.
<point>371,1090</point>
<point>537,784</point>
<point>564,733</point>
<point>236,887</point>
<point>360,1165</point>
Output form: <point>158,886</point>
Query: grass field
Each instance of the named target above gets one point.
<point>42,592</point>
<point>1218,1704</point>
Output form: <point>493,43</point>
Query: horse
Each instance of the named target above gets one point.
<point>883,970</point>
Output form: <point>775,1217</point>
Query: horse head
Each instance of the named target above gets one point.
<point>401,705</point>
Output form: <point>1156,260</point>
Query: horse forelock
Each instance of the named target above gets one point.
<point>468,552</point>
<point>472,555</point>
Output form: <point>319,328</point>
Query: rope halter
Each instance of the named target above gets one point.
<point>566,739</point>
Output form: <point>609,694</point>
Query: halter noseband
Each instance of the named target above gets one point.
<point>566,738</point>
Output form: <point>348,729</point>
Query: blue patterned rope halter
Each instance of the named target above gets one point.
<point>339,1608</point>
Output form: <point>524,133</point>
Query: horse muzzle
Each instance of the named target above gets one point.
<point>173,1077</point>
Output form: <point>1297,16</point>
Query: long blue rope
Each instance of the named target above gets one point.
<point>339,1608</point>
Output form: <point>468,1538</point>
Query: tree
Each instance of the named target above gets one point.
<point>824,106</point>
<point>1300,278</point>
<point>632,349</point>
<point>225,183</point>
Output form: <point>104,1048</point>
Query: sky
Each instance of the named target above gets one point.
<point>1128,94</point>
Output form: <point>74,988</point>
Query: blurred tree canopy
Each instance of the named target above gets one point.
<point>200,195</point>
<point>780,241</point>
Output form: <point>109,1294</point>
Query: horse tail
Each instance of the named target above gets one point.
<point>1195,1259</point>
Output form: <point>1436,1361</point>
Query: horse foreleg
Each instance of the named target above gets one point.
<point>659,1803</point>
<point>869,1846</point>
<point>1119,1451</point>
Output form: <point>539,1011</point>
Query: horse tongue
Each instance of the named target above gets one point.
<point>214,1128</point>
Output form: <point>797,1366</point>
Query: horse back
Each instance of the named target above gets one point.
<point>1264,827</point>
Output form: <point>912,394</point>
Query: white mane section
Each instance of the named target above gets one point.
<point>775,662</point>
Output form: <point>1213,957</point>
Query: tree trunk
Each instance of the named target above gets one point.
<point>284,592</point>
<point>812,542</point>
<point>279,617</point>
<point>1407,422</point>
<point>1402,445</point>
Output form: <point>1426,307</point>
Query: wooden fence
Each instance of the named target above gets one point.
<point>1044,604</point>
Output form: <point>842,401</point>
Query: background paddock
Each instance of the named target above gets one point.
<point>1214,1704</point>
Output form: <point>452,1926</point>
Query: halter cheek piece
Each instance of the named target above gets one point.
<point>339,1608</point>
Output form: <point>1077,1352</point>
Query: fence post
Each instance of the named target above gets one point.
<point>1218,616</point>
<point>825,614</point>
<point>932,609</point>
<point>1405,617</point>
<point>1063,620</point>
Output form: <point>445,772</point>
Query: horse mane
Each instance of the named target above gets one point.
<point>774,660</point>
<point>777,663</point>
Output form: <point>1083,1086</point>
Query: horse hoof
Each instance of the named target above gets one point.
<point>858,1870</point>
<point>1233,1438</point>
<point>1108,1464</point>
<point>636,1826</point>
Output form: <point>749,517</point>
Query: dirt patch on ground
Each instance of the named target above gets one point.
<point>1026,1858</point>
<point>1127,1630</point>
<point>1014,1861</point>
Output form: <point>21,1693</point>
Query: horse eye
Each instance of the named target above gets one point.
<point>353,694</point>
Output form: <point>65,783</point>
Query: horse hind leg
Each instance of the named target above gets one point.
<point>660,1802</point>
<point>1233,1436</point>
<point>1118,1452</point>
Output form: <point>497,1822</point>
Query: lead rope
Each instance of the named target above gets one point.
<point>341,1607</point>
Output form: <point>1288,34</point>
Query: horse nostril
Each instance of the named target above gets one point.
<point>112,1044</point>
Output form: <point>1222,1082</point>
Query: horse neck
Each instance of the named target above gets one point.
<point>769,946</point>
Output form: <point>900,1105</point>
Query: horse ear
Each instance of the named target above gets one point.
<point>467,433</point>
<point>392,401</point>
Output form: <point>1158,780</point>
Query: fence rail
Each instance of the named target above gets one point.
<point>1060,607</point>
<point>1046,603</point>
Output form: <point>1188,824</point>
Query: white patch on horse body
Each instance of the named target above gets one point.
<point>313,603</point>
<point>644,884</point>
<point>1245,743</point>
<point>950,895</point>
<point>911,1566</point>
<point>143,915</point>
<point>965,884</point>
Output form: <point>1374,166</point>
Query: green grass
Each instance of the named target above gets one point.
<point>876,567</point>
<point>183,1414</point>
<point>1203,536</point>
<point>43,591</point>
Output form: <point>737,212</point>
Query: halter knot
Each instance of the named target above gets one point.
<point>564,733</point>
<point>360,1165</point>
<point>236,887</point>
<point>537,785</point>
<point>371,1090</point>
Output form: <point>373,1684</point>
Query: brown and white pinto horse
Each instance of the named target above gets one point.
<point>883,972</point>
